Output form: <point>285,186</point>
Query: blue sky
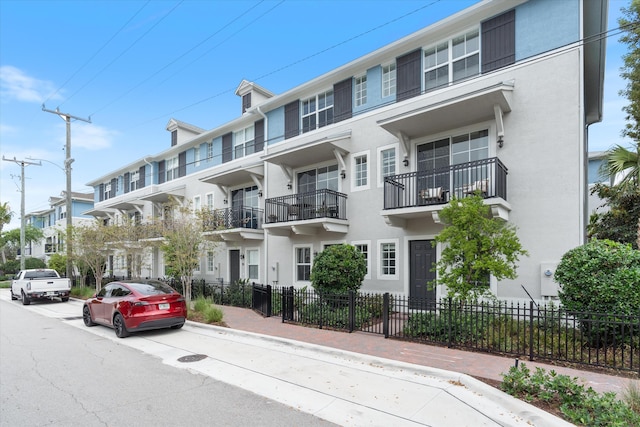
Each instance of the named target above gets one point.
<point>132,65</point>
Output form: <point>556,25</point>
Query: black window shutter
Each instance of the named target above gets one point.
<point>114,187</point>
<point>141,174</point>
<point>292,119</point>
<point>174,137</point>
<point>408,75</point>
<point>246,102</point>
<point>227,147</point>
<point>259,135</point>
<point>161,172</point>
<point>499,41</point>
<point>342,100</point>
<point>127,182</point>
<point>101,196</point>
<point>182,164</point>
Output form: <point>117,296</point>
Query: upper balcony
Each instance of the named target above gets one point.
<point>235,223</point>
<point>417,194</point>
<point>307,213</point>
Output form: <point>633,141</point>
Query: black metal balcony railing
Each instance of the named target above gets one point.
<point>438,186</point>
<point>235,217</point>
<point>303,206</point>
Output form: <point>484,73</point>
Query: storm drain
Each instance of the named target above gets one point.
<point>192,358</point>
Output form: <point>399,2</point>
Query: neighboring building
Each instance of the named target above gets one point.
<point>53,223</point>
<point>595,176</point>
<point>496,98</point>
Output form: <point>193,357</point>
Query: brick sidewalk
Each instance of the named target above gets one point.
<point>471,363</point>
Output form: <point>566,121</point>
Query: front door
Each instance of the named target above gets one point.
<point>422,258</point>
<point>234,266</point>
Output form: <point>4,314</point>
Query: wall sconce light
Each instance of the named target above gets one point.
<point>289,185</point>
<point>315,254</point>
<point>548,273</point>
<point>500,141</point>
<point>343,174</point>
<point>405,162</point>
<point>259,193</point>
<point>241,256</point>
<point>225,201</point>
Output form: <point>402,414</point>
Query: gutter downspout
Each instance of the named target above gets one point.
<point>265,255</point>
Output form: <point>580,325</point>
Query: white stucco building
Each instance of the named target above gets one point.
<point>496,98</point>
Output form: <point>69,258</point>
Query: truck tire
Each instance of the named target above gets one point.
<point>65,299</point>
<point>25,299</point>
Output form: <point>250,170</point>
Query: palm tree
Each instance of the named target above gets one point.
<point>625,164</point>
<point>5,218</point>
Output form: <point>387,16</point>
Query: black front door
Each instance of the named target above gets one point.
<point>234,266</point>
<point>422,259</point>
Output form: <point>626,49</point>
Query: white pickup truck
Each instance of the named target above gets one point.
<point>39,283</point>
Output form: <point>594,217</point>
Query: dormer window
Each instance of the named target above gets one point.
<point>246,102</point>
<point>174,137</point>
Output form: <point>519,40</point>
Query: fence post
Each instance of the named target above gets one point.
<point>450,322</point>
<point>385,314</point>
<point>530,331</point>
<point>269,306</point>
<point>352,311</point>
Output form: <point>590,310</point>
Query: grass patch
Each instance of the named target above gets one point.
<point>204,311</point>
<point>83,292</point>
<point>5,284</point>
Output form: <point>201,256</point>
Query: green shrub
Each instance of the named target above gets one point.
<point>83,292</point>
<point>34,263</point>
<point>213,314</point>
<point>58,262</point>
<point>201,304</point>
<point>338,269</point>
<point>600,277</point>
<point>578,404</point>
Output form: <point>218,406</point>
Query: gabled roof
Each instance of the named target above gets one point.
<point>247,86</point>
<point>175,124</point>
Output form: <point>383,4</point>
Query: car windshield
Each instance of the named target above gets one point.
<point>151,288</point>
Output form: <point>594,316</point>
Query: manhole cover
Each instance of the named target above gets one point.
<point>192,358</point>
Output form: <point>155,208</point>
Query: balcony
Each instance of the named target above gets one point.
<point>235,223</point>
<point>417,194</point>
<point>307,213</point>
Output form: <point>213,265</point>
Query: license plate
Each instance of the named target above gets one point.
<point>50,293</point>
<point>163,306</point>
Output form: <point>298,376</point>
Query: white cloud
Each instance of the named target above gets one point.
<point>15,84</point>
<point>90,137</point>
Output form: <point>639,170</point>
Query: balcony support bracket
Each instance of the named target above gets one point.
<point>405,143</point>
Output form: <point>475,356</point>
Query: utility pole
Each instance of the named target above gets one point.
<point>67,165</point>
<point>22,164</point>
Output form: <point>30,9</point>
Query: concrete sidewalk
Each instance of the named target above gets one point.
<point>476,364</point>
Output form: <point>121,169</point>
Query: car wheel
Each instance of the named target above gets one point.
<point>177,326</point>
<point>65,299</point>
<point>86,316</point>
<point>25,299</point>
<point>119,326</point>
<point>13,296</point>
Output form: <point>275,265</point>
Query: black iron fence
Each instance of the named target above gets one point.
<point>488,177</point>
<point>521,330</point>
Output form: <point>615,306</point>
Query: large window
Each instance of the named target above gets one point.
<point>209,150</point>
<point>252,264</point>
<point>452,60</point>
<point>134,180</point>
<point>317,111</point>
<point>303,263</point>
<point>386,162</point>
<point>361,171</point>
<point>243,141</point>
<point>361,90</point>
<point>171,168</point>
<point>388,259</point>
<point>196,156</point>
<point>318,179</point>
<point>210,262</point>
<point>388,80</point>
<point>363,247</point>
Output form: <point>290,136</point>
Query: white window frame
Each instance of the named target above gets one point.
<point>241,139</point>
<point>211,266</point>
<point>196,155</point>
<point>311,107</point>
<point>209,151</point>
<point>450,60</point>
<point>379,247</point>
<point>360,89</point>
<point>367,171</point>
<point>209,200</point>
<point>382,149</point>
<point>134,180</point>
<point>357,243</point>
<point>197,204</point>
<point>171,168</point>
<point>295,262</point>
<point>389,77</point>
<point>248,264</point>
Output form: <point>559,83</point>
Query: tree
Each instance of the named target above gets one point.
<point>91,243</point>
<point>475,246</point>
<point>619,222</point>
<point>5,218</point>
<point>339,268</point>
<point>58,262</point>
<point>182,244</point>
<point>630,71</point>
<point>32,235</point>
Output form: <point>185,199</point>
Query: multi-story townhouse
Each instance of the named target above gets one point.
<point>496,98</point>
<point>53,223</point>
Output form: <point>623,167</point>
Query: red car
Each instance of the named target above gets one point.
<point>131,306</point>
